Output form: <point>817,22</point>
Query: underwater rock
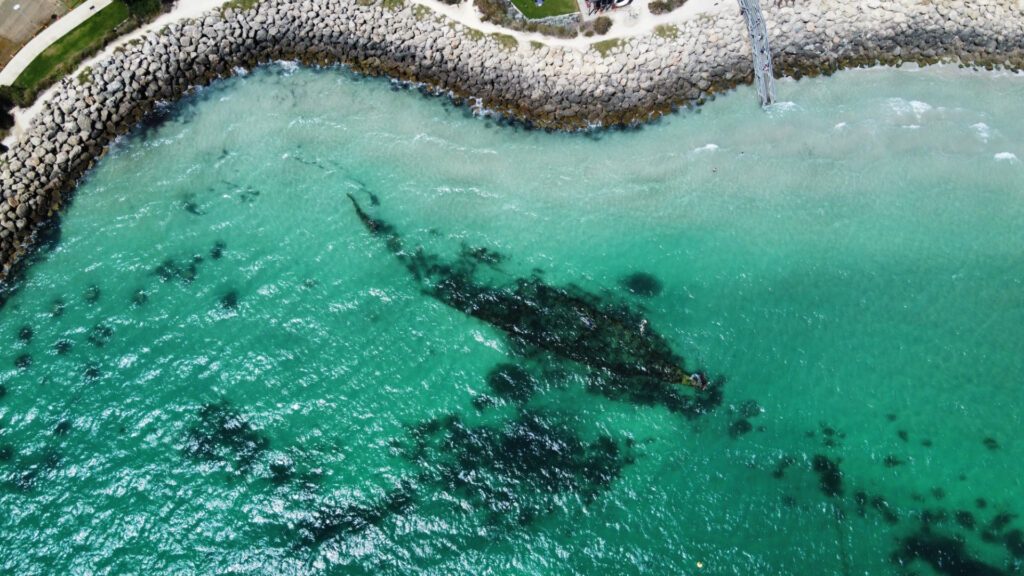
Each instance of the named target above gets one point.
<point>860,498</point>
<point>92,294</point>
<point>642,284</point>
<point>57,308</point>
<point>516,471</point>
<point>3,391</point>
<point>229,301</point>
<point>830,477</point>
<point>100,335</point>
<point>23,361</point>
<point>783,463</point>
<point>282,468</point>
<point>139,298</point>
<point>903,434</point>
<point>627,358</point>
<point>749,409</point>
<point>6,452</point>
<point>217,252</point>
<point>891,461</point>
<point>62,428</point>
<point>881,505</point>
<point>944,554</point>
<point>965,519</point>
<point>222,434</point>
<point>192,208</point>
<point>1015,543</point>
<point>334,521</point>
<point>482,255</point>
<point>25,334</point>
<point>512,382</point>
<point>991,443</point>
<point>483,402</point>
<point>740,427</point>
<point>169,270</point>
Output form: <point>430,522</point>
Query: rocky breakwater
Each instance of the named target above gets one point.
<point>549,86</point>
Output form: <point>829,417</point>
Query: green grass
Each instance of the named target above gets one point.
<point>394,5</point>
<point>550,8</point>
<point>507,42</point>
<point>62,57</point>
<point>666,31</point>
<point>240,4</point>
<point>420,11</point>
<point>606,46</point>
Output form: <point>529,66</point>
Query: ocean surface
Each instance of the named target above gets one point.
<point>307,322</point>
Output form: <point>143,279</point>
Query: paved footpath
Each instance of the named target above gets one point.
<point>47,37</point>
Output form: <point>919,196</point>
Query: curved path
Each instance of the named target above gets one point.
<point>47,37</point>
<point>636,21</point>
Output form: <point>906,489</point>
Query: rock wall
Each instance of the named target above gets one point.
<point>549,87</point>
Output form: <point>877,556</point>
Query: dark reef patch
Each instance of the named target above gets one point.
<point>1014,540</point>
<point>512,382</point>
<point>62,346</point>
<point>991,443</point>
<point>57,308</point>
<point>217,252</point>
<point>222,434</point>
<point>516,471</point>
<point>3,391</point>
<point>23,361</point>
<point>740,428</point>
<point>140,298</point>
<point>333,521</point>
<point>62,428</point>
<point>229,301</point>
<point>945,555</point>
<point>25,334</point>
<point>830,477</point>
<point>642,284</point>
<point>781,466</point>
<point>892,461</point>
<point>627,359</point>
<point>881,505</point>
<point>92,294</point>
<point>965,519</point>
<point>100,335</point>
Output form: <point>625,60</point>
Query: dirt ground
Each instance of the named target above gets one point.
<point>20,20</point>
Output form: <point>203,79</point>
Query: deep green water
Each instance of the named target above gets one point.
<point>242,362</point>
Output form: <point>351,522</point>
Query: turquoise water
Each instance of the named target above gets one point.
<point>218,369</point>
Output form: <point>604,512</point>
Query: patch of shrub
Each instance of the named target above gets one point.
<point>602,24</point>
<point>664,6</point>
<point>496,12</point>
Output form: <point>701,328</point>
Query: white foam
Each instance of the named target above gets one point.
<point>839,126</point>
<point>706,148</point>
<point>904,107</point>
<point>983,131</point>
<point>1006,157</point>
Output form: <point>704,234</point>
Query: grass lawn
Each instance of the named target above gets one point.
<point>66,53</point>
<point>550,8</point>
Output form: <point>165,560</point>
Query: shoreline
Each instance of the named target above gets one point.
<point>548,86</point>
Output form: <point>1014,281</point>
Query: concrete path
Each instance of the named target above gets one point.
<point>47,37</point>
<point>634,20</point>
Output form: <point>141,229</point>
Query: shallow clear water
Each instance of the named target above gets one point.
<point>850,262</point>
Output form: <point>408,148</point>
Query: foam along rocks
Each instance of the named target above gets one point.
<point>1006,157</point>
